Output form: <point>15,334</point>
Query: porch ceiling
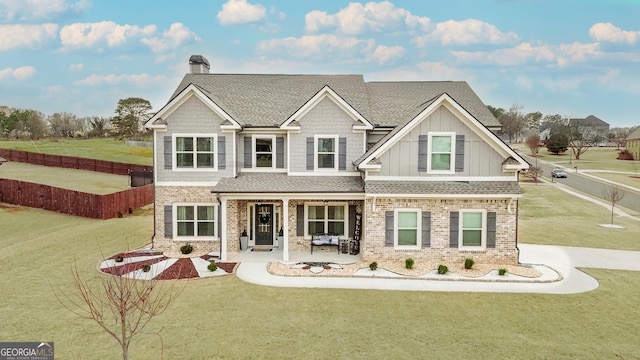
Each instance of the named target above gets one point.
<point>282,183</point>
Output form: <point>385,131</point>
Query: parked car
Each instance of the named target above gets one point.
<point>558,173</point>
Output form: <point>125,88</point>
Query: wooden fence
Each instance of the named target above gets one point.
<point>71,162</point>
<point>74,202</point>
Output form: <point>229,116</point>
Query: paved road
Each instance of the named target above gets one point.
<point>588,185</point>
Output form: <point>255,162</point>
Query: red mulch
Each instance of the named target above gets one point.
<point>127,268</point>
<point>136,253</point>
<point>182,269</point>
<point>229,267</point>
<point>208,257</point>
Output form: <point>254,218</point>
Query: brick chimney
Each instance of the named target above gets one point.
<point>198,64</point>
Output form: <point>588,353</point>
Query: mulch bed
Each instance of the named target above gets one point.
<point>127,268</point>
<point>136,253</point>
<point>229,267</point>
<point>182,269</point>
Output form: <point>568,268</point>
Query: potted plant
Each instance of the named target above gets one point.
<point>280,238</point>
<point>244,240</point>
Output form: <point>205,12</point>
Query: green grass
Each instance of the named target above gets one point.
<point>550,216</point>
<point>86,181</point>
<point>225,318</point>
<point>102,149</point>
<point>626,179</point>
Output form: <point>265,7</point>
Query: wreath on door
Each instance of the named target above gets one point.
<point>264,219</point>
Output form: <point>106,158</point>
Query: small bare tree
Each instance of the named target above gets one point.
<point>121,306</point>
<point>533,142</point>
<point>613,195</point>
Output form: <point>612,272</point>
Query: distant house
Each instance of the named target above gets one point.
<point>633,144</point>
<point>592,126</point>
<point>408,169</point>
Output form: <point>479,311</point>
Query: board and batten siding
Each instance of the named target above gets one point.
<point>193,117</point>
<point>479,158</point>
<point>326,118</point>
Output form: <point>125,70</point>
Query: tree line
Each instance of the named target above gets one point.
<point>130,116</point>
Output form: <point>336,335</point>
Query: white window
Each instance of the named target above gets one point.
<point>195,151</point>
<point>195,221</point>
<point>264,152</point>
<point>326,156</point>
<point>407,228</point>
<point>331,218</point>
<point>473,229</point>
<point>441,153</point>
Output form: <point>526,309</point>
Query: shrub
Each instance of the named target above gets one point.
<point>409,263</point>
<point>119,258</point>
<point>468,263</point>
<point>373,265</point>
<point>443,269</point>
<point>212,266</point>
<point>502,271</point>
<point>625,155</point>
<point>146,267</point>
<point>186,248</point>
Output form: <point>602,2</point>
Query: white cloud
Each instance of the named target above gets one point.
<point>427,71</point>
<point>356,19</point>
<point>441,71</point>
<point>466,32</point>
<point>84,35</point>
<point>523,53</point>
<point>140,80</point>
<point>26,36</point>
<point>607,32</point>
<point>176,36</point>
<point>38,10</point>
<point>21,73</point>
<point>240,12</point>
<point>317,46</point>
<point>387,54</point>
<point>76,67</point>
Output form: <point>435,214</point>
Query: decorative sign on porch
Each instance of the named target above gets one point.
<point>356,232</point>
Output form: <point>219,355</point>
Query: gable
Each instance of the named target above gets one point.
<point>399,152</point>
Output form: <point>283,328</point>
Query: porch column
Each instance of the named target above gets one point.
<point>285,229</point>
<point>223,231</point>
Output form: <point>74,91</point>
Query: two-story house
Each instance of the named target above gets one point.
<point>302,155</point>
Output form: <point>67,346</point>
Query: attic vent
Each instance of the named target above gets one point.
<point>198,64</point>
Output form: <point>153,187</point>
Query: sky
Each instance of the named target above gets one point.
<point>569,57</point>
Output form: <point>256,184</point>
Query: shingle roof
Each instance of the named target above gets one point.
<point>634,135</point>
<point>588,121</point>
<point>270,99</point>
<point>443,187</point>
<point>281,183</point>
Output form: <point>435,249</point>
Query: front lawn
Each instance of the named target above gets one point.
<point>550,216</point>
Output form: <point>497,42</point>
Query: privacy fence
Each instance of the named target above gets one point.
<point>70,201</point>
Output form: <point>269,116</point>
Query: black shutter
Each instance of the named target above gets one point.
<point>454,217</point>
<point>423,152</point>
<point>310,153</point>
<point>248,154</point>
<point>459,153</point>
<point>222,153</point>
<point>491,229</point>
<point>300,220</point>
<point>168,221</point>
<point>342,153</point>
<point>426,229</point>
<point>168,153</point>
<point>352,220</point>
<point>280,152</point>
<point>219,223</point>
<point>388,228</point>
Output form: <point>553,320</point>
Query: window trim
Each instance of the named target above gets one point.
<point>452,159</point>
<point>326,205</point>
<point>336,152</point>
<point>418,213</point>
<point>194,136</point>
<point>254,155</point>
<point>483,236</point>
<point>195,237</point>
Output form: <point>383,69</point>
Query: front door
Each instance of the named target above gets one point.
<point>264,224</point>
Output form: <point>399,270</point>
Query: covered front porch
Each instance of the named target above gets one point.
<point>294,256</point>
<point>275,216</point>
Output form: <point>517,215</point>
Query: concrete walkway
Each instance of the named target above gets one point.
<point>562,259</point>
